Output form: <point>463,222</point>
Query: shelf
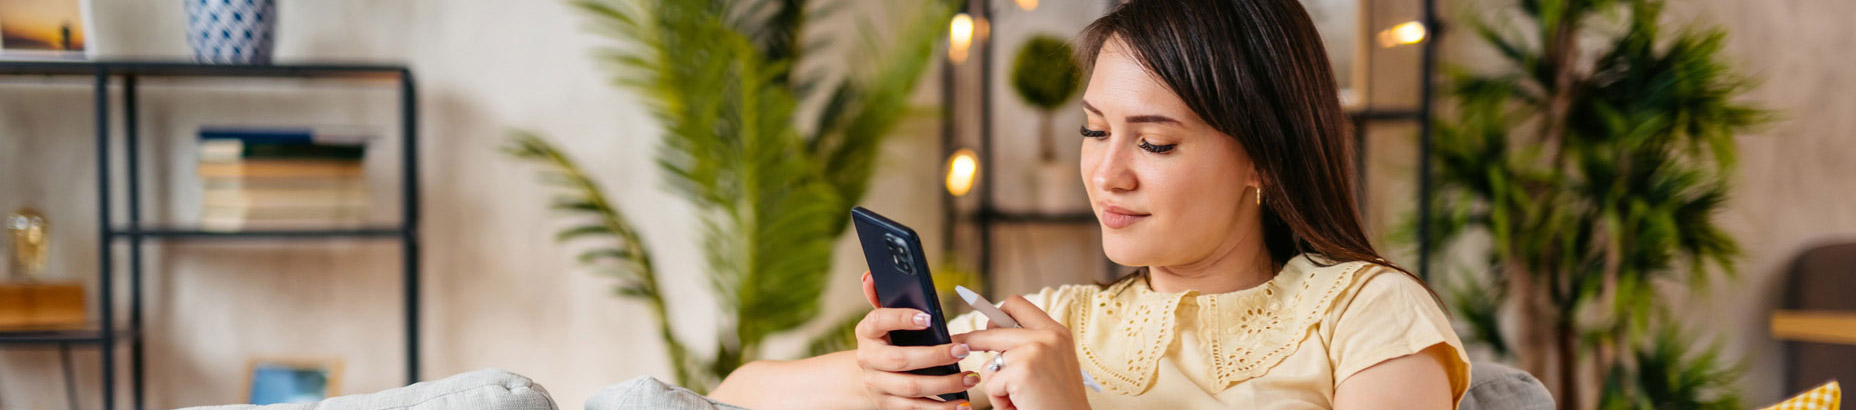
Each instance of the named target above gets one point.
<point>191,69</point>
<point>1816,326</point>
<point>85,336</point>
<point>365,232</point>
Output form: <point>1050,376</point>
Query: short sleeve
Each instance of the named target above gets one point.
<point>1392,315</point>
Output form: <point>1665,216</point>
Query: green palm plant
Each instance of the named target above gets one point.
<point>773,189</point>
<point>1595,175</point>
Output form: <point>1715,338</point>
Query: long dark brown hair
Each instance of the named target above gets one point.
<point>1256,70</point>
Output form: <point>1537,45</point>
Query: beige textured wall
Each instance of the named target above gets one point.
<point>1794,190</point>
<point>498,291</point>
<point>500,294</point>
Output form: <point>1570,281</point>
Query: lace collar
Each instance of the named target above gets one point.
<point>1122,332</point>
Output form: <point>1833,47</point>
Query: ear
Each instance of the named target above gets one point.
<point>1252,177</point>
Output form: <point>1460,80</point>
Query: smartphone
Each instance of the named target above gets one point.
<point>900,270</point>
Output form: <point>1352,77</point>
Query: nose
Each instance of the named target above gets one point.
<point>1110,171</point>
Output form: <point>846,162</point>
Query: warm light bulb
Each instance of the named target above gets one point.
<point>1410,32</point>
<point>959,37</point>
<point>1028,5</point>
<point>962,167</point>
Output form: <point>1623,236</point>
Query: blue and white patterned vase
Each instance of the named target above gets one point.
<point>231,31</point>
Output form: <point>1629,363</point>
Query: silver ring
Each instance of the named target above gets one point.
<point>998,361</point>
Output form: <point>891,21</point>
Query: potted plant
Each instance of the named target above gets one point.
<point>1592,162</point>
<point>773,196</point>
<point>1045,76</point>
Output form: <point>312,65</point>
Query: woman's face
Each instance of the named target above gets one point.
<point>1167,188</point>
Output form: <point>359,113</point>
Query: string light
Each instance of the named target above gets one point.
<point>1410,32</point>
<point>959,37</point>
<point>962,168</point>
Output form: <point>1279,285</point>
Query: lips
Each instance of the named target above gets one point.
<point>1115,217</point>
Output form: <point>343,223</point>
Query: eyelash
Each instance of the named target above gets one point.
<point>1157,149</point>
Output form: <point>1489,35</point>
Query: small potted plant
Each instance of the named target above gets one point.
<point>1045,76</point>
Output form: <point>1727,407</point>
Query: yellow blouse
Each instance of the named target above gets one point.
<point>1285,344</point>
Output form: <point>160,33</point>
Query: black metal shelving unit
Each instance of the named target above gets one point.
<point>125,74</point>
<point>988,215</point>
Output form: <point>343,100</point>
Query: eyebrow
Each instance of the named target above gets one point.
<point>1135,119</point>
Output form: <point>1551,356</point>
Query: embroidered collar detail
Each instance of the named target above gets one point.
<point>1245,333</point>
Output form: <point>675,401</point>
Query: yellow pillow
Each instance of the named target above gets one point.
<point>1825,397</point>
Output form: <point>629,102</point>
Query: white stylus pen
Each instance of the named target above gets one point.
<point>993,313</point>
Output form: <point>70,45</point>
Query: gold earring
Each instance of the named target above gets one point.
<point>1259,196</point>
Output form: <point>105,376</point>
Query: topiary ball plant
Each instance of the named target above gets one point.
<point>1046,77</point>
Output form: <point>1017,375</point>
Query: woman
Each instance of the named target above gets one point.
<point>1215,156</point>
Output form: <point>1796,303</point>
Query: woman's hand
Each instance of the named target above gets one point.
<point>1040,369</point>
<point>886,367</point>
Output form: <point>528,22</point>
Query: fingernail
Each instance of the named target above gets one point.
<point>921,319</point>
<point>972,379</point>
<point>961,351</point>
<point>966,406</point>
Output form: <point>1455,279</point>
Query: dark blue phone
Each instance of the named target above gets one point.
<point>900,271</point>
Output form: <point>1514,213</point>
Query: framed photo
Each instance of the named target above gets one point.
<point>276,380</point>
<point>45,29</point>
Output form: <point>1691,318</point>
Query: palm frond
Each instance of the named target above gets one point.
<point>1596,175</point>
<point>839,337</point>
<point>1672,372</point>
<point>614,246</point>
<point>870,105</point>
<point>718,76</point>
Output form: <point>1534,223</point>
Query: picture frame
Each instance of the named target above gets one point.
<point>46,30</point>
<point>292,379</point>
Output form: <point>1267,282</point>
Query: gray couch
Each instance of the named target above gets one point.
<point>1491,386</point>
<point>482,389</point>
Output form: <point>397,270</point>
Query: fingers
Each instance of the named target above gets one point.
<point>1028,315</point>
<point>879,322</point>
<point>908,385</point>
<point>905,403</point>
<point>999,340</point>
<point>906,358</point>
<point>1003,384</point>
<point>870,290</point>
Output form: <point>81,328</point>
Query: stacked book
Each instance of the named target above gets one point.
<point>282,178</point>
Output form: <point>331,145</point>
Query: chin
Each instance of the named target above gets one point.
<point>1127,249</point>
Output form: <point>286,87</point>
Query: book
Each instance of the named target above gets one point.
<point>284,182</point>
<point>229,150</point>
<point>282,168</point>
<point>354,196</point>
<point>287,135</point>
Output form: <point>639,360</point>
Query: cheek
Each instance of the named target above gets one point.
<point>1198,199</point>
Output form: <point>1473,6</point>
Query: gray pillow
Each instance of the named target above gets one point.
<point>482,389</point>
<point>646,393</point>
<point>1494,386</point>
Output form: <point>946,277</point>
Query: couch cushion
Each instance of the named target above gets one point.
<point>1494,386</point>
<point>483,389</point>
<point>646,393</point>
